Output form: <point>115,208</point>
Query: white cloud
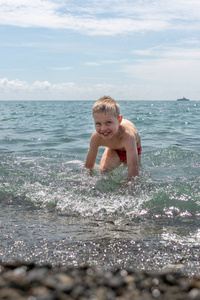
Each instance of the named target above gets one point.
<point>167,65</point>
<point>61,68</point>
<point>102,17</point>
<point>16,84</point>
<point>112,61</point>
<point>166,71</point>
<point>22,90</point>
<point>147,90</point>
<point>42,86</point>
<point>176,52</point>
<point>92,64</point>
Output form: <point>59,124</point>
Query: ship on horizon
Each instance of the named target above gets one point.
<point>183,99</point>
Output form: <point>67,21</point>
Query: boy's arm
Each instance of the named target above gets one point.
<point>92,152</point>
<point>132,157</point>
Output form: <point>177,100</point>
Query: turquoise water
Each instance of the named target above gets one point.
<point>52,210</point>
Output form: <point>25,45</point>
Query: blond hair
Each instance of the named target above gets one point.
<point>106,104</point>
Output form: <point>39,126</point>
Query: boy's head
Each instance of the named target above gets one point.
<point>106,105</point>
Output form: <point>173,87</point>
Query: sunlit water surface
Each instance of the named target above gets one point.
<point>52,210</point>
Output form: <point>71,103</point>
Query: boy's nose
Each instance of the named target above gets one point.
<point>103,127</point>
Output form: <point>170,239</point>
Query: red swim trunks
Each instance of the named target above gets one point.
<point>122,154</point>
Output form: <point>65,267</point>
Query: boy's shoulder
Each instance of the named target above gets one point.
<point>128,126</point>
<point>95,138</point>
<point>129,129</point>
<point>126,122</point>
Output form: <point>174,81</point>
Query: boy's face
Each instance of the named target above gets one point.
<point>106,124</point>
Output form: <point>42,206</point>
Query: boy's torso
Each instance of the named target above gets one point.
<point>126,131</point>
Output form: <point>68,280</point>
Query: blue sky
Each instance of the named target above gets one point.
<point>82,50</point>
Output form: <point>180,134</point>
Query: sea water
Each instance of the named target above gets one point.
<point>53,211</point>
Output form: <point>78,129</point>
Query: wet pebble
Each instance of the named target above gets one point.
<point>28,281</point>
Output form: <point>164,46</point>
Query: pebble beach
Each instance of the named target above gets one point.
<point>29,281</point>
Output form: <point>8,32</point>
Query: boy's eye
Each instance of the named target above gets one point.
<point>109,122</point>
<point>97,124</point>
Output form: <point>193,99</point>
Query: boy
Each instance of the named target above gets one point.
<point>119,136</point>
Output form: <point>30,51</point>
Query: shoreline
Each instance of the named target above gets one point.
<point>31,281</point>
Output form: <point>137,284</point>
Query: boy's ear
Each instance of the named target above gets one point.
<point>120,119</point>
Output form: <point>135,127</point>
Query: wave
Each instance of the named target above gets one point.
<point>65,186</point>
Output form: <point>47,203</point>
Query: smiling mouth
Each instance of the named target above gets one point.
<point>105,133</point>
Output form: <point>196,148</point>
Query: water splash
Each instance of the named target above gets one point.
<point>68,187</point>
